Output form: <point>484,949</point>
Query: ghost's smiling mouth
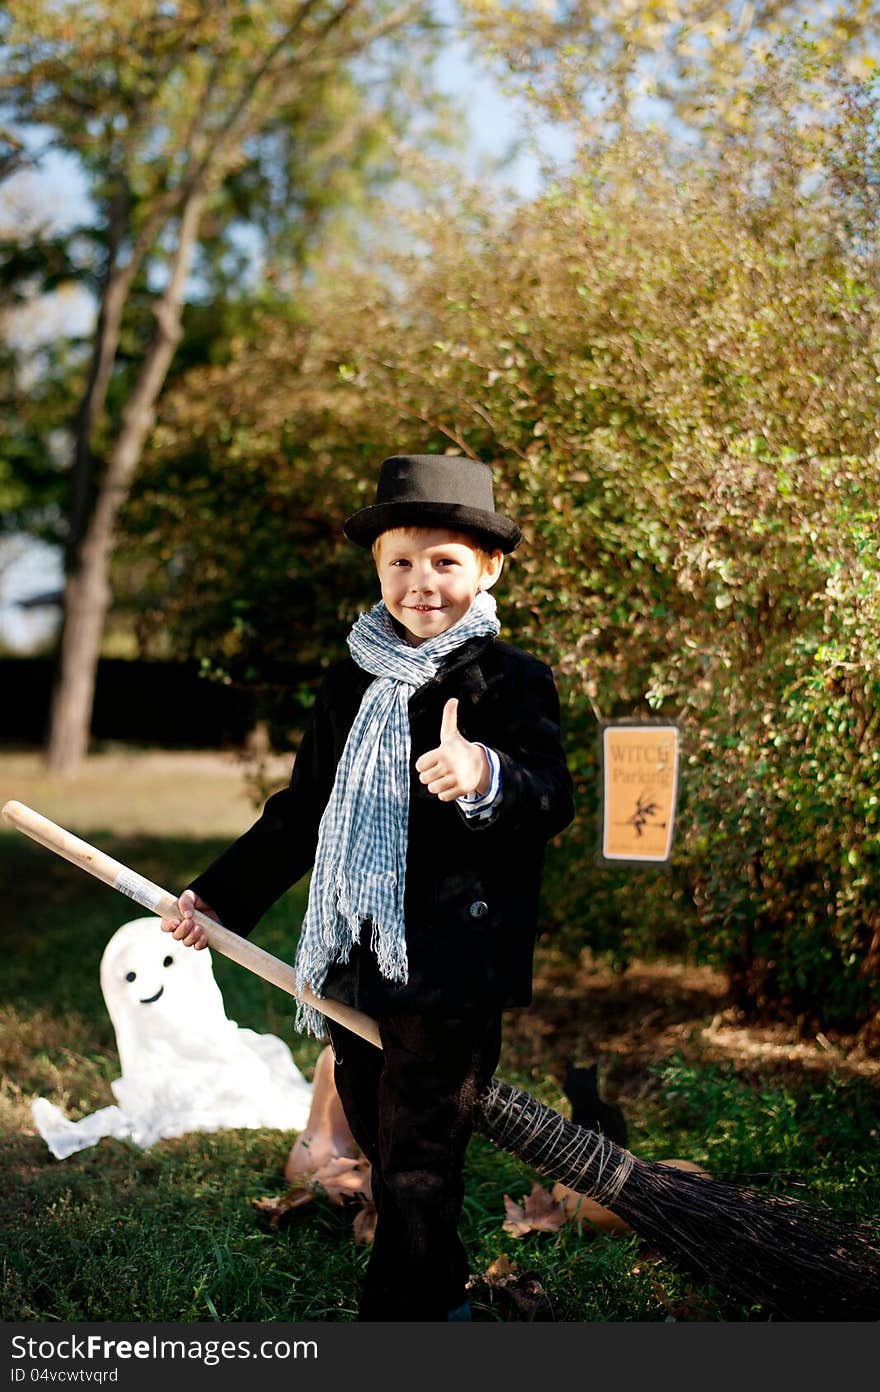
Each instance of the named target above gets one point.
<point>149,1000</point>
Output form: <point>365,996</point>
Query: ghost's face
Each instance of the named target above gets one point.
<point>157,989</point>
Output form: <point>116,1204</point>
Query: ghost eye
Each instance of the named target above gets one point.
<point>168,961</point>
<point>130,976</point>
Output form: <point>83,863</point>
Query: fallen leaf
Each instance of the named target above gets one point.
<point>276,1209</point>
<point>578,1208</point>
<point>344,1177</point>
<point>511,1295</point>
<point>341,1179</point>
<point>539,1213</point>
<point>364,1226</point>
<point>687,1165</point>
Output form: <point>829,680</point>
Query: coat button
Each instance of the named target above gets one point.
<point>478,909</point>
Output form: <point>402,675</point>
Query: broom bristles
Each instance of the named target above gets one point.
<point>796,1259</point>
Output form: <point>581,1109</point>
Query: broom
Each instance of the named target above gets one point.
<point>796,1260</point>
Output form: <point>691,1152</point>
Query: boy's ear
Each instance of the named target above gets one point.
<point>491,570</point>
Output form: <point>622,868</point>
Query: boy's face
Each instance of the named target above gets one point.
<point>429,577</point>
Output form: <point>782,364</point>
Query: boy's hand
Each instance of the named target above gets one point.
<point>188,932</point>
<point>456,766</point>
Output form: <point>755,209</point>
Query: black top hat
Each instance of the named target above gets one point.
<point>425,490</point>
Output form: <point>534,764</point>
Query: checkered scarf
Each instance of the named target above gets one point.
<point>360,862</point>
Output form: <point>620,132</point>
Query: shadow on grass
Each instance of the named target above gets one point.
<point>116,1234</point>
<point>64,918</point>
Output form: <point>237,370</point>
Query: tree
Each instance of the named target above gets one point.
<point>601,62</point>
<point>671,361</point>
<point>179,114</point>
<point>38,367</point>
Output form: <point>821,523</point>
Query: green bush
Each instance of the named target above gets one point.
<point>670,360</point>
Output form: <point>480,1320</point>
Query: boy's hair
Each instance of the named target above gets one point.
<point>479,544</point>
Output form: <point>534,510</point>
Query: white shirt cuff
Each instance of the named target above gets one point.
<point>473,804</point>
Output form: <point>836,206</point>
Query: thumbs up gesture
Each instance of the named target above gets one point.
<point>456,766</point>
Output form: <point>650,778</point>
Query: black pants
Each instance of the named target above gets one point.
<point>410,1108</point>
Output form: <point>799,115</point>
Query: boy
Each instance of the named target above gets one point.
<point>424,792</point>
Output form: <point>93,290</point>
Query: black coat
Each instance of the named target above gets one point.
<point>472,886</point>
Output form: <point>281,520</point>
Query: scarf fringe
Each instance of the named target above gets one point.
<point>359,874</point>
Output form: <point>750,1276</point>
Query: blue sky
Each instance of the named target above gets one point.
<point>496,118</point>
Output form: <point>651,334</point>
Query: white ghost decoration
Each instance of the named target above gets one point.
<point>185,1065</point>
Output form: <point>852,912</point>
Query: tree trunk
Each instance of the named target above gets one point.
<point>117,285</point>
<point>87,590</point>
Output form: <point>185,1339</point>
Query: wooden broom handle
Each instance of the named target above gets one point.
<point>164,905</point>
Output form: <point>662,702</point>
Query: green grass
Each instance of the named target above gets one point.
<point>117,1234</point>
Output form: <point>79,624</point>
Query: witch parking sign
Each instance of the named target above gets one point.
<point>639,790</point>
